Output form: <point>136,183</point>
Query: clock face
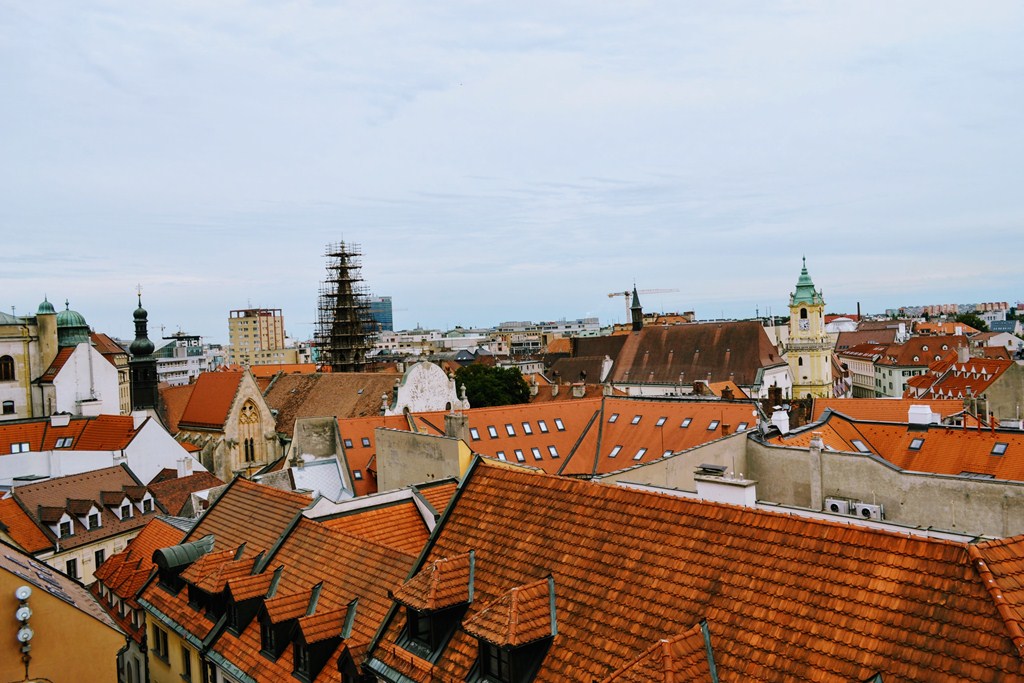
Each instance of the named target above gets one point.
<point>805,324</point>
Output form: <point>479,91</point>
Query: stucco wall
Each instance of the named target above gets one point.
<point>1006,395</point>
<point>405,458</point>
<point>676,471</point>
<point>87,374</point>
<point>791,476</point>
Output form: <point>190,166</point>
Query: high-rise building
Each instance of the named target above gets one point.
<point>380,311</point>
<point>253,333</point>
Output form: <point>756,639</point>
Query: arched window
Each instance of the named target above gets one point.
<point>8,407</point>
<point>6,369</point>
<point>800,360</point>
<point>803,314</point>
<point>249,431</point>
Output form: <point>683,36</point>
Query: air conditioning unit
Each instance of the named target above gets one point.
<point>837,505</point>
<point>868,511</point>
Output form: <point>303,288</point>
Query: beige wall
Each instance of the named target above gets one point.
<point>170,669</point>
<point>68,645</point>
<point>405,458</point>
<point>676,471</point>
<point>790,476</point>
<point>1006,395</point>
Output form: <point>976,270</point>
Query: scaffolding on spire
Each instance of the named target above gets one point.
<point>343,318</point>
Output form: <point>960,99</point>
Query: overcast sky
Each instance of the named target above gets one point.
<point>508,161</point>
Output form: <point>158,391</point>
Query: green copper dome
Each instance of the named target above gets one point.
<point>72,329</point>
<point>45,308</point>
<point>805,292</point>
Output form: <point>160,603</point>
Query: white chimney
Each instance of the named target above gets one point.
<point>730,489</point>
<point>60,420</point>
<point>817,444</point>
<point>963,354</point>
<point>780,418</point>
<point>920,415</point>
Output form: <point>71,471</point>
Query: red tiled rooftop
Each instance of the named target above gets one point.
<point>443,583</point>
<point>100,433</point>
<point>521,616</point>
<point>17,524</point>
<point>211,398</point>
<point>174,493</point>
<point>883,409</point>
<point>682,658</point>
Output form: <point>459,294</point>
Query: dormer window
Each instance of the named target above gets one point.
<point>66,529</point>
<point>125,512</point>
<point>494,663</point>
<point>94,520</point>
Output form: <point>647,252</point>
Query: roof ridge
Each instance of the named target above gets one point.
<point>1011,617</point>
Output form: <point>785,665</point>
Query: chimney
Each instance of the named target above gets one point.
<point>963,354</point>
<point>728,488</point>
<point>60,420</point>
<point>780,418</point>
<point>456,425</point>
<point>816,444</point>
<point>920,415</point>
<point>727,394</point>
<point>554,388</point>
<point>534,389</point>
<point>579,390</point>
<point>726,429</point>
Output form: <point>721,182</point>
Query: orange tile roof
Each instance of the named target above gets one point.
<point>174,493</point>
<point>339,394</point>
<point>22,529</point>
<point>348,568</point>
<point>682,658</point>
<point>173,401</point>
<point>398,526</point>
<point>268,371</point>
<point>920,351</point>
<point>443,583</point>
<point>438,494</point>
<point>211,399</point>
<point>108,348</point>
<point>283,607</point>
<point>790,598</point>
<point>99,433</point>
<point>55,366</point>
<point>956,379</point>
<point>943,328</point>
<point>520,616</point>
<point>882,409</point>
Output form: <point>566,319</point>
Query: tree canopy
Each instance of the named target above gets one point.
<point>973,320</point>
<point>487,386</point>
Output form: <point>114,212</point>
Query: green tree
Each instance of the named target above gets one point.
<point>972,320</point>
<point>487,386</point>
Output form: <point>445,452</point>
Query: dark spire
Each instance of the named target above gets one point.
<point>142,366</point>
<point>636,311</point>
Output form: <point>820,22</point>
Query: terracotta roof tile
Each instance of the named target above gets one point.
<point>55,366</point>
<point>247,587</point>
<point>399,526</point>
<point>883,409</point>
<point>443,583</point>
<point>322,625</point>
<point>284,607</point>
<point>211,399</point>
<point>22,529</point>
<point>520,616</point>
<point>100,433</point>
<point>790,598</point>
<point>174,493</point>
<point>341,395</point>
<point>173,401</point>
<point>682,658</point>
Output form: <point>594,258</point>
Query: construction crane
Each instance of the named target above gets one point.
<point>628,293</point>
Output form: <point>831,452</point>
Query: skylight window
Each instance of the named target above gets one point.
<point>742,426</point>
<point>492,431</point>
<point>357,475</point>
<point>19,447</point>
<point>553,451</point>
<point>686,422</point>
<point>916,444</point>
<point>348,443</point>
<point>501,455</point>
<point>558,424</point>
<point>859,445</point>
<point>668,452</point>
<point>635,420</point>
<point>999,448</point>
<point>713,426</point>
<point>614,417</point>
<point>615,451</point>
<point>65,442</point>
<point>640,454</point>
<point>536,453</point>
<point>475,433</point>
<point>366,442</point>
<point>661,421</point>
<point>510,430</point>
<point>527,429</point>
<point>519,455</point>
<point>543,426</point>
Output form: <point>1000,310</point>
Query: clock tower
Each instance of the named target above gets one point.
<point>809,349</point>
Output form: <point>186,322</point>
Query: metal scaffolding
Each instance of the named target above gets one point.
<point>343,318</point>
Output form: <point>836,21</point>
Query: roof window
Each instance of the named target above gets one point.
<point>536,453</point>
<point>366,441</point>
<point>510,430</point>
<point>666,453</point>
<point>640,454</point>
<point>519,455</point>
<point>357,475</point>
<point>635,420</point>
<point>614,451</point>
<point>999,448</point>
<point>686,422</point>
<point>21,447</point>
<point>553,451</point>
<point>492,432</point>
<point>558,424</point>
<point>713,426</point>
<point>348,443</point>
<point>501,455</point>
<point>475,433</point>
<point>65,441</point>
<point>527,429</point>
<point>613,418</point>
<point>859,445</point>
<point>661,421</point>
<point>543,426</point>
<point>742,426</point>
<point>915,444</point>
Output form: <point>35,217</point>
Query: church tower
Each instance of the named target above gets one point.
<point>636,312</point>
<point>809,349</point>
<point>142,366</point>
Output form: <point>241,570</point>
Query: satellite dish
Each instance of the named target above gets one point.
<point>23,592</point>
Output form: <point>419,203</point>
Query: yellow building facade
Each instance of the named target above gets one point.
<point>809,348</point>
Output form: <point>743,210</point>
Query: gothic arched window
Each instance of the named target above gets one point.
<point>6,369</point>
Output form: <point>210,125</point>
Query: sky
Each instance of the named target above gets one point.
<point>507,161</point>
